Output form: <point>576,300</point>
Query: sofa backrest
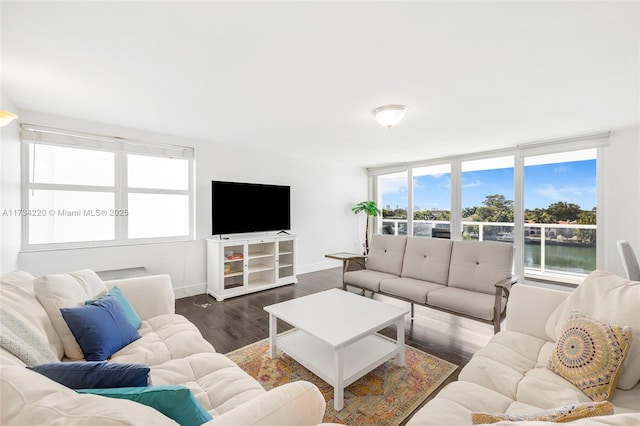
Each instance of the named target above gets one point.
<point>427,259</point>
<point>386,253</point>
<point>479,265</point>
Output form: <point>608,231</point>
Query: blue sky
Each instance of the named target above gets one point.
<point>572,182</point>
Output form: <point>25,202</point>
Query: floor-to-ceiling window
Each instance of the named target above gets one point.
<point>540,197</point>
<point>393,201</point>
<point>560,211</point>
<point>432,201</point>
<point>487,199</point>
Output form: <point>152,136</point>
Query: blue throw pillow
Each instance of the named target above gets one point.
<point>176,402</point>
<point>100,328</point>
<point>131,313</point>
<point>92,374</point>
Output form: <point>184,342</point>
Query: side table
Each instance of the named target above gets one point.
<point>345,258</point>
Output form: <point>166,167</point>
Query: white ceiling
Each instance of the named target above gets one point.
<point>301,78</point>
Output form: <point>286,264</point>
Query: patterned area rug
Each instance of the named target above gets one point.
<point>385,396</point>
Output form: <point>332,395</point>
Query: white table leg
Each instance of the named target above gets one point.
<point>338,388</point>
<point>273,332</point>
<point>400,341</point>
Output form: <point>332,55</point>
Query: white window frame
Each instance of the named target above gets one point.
<point>120,147</point>
<point>598,141</point>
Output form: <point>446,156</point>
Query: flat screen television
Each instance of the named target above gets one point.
<point>239,207</point>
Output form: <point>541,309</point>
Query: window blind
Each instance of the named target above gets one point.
<point>54,136</point>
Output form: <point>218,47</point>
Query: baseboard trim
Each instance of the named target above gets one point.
<point>190,290</point>
<point>320,266</point>
<point>198,289</point>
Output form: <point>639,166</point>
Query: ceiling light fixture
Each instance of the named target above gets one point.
<point>389,115</point>
<point>6,117</point>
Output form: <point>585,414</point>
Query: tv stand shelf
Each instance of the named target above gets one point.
<point>253,263</point>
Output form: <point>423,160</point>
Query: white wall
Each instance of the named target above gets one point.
<point>9,189</point>
<point>321,196</point>
<point>621,195</point>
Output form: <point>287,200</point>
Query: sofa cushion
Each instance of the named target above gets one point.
<point>17,296</point>
<point>409,288</point>
<point>366,278</point>
<point>101,374</point>
<point>64,291</point>
<point>590,355</point>
<point>163,338</point>
<point>542,388</point>
<point>604,296</point>
<point>175,402</point>
<point>427,259</point>
<point>478,305</point>
<point>503,362</point>
<point>29,398</point>
<point>216,381</point>
<point>101,328</point>
<point>566,413</point>
<point>386,253</point>
<point>479,265</point>
<point>456,402</point>
<point>627,400</point>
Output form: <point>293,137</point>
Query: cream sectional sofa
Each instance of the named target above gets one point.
<point>172,346</point>
<point>469,278</point>
<point>510,374</point>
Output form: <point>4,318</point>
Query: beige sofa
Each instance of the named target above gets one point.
<point>172,346</point>
<point>468,278</point>
<point>510,374</point>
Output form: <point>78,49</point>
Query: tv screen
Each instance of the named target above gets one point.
<point>249,207</point>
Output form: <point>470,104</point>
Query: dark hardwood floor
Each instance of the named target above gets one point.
<point>240,321</point>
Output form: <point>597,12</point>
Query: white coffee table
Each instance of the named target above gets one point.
<point>335,336</point>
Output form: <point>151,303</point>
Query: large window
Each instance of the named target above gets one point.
<point>487,199</point>
<point>85,190</point>
<point>540,197</point>
<point>560,212</point>
<point>432,201</point>
<point>393,200</point>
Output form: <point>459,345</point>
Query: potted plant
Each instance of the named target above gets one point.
<point>371,209</point>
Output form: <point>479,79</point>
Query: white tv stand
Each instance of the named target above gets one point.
<point>238,265</point>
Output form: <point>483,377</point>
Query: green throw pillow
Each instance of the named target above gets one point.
<point>175,402</point>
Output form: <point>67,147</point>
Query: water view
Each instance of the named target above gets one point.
<point>575,259</point>
<point>568,248</point>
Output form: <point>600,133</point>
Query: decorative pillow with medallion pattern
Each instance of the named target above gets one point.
<point>590,354</point>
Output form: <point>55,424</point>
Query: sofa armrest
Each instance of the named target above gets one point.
<point>529,308</point>
<point>355,263</point>
<point>150,296</point>
<point>503,289</point>
<point>504,286</point>
<point>298,403</point>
